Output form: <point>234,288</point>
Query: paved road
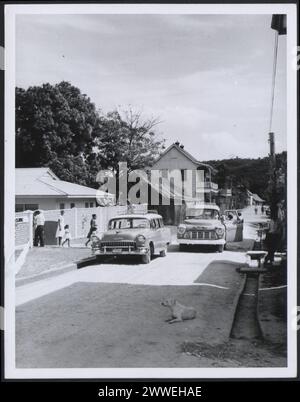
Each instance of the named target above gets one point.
<point>178,268</point>
<point>110,315</point>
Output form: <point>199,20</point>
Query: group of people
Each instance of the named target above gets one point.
<point>63,234</point>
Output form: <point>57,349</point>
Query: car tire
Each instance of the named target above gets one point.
<point>182,247</point>
<point>163,253</point>
<point>146,258</point>
<point>221,248</point>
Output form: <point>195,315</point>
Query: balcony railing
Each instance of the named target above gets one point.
<point>209,185</point>
<point>226,192</point>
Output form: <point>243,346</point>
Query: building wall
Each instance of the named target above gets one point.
<point>54,203</point>
<point>174,160</point>
<point>22,233</point>
<point>23,229</point>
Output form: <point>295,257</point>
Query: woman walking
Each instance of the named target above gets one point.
<point>60,228</point>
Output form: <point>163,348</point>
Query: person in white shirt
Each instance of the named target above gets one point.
<point>39,235</point>
<point>60,227</point>
<point>67,236</point>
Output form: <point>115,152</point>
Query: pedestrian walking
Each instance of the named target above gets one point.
<point>67,236</point>
<point>255,210</point>
<point>39,234</point>
<point>60,228</point>
<point>262,209</point>
<point>93,228</point>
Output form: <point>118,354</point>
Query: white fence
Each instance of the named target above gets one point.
<point>78,220</point>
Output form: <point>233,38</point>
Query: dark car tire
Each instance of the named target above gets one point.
<point>182,247</point>
<point>146,258</point>
<point>221,248</point>
<point>163,253</point>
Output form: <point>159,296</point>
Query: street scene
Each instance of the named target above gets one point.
<point>113,310</point>
<point>150,191</point>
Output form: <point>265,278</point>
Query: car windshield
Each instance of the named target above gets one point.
<point>204,213</point>
<point>128,223</point>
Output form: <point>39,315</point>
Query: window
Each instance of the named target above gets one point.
<point>86,204</point>
<point>128,223</point>
<point>91,205</point>
<point>157,221</point>
<point>62,205</point>
<point>153,224</point>
<point>31,207</point>
<point>72,205</point>
<point>19,207</point>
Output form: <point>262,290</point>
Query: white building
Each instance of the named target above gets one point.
<point>40,188</point>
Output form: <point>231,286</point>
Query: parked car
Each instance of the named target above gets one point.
<point>204,225</point>
<point>142,235</point>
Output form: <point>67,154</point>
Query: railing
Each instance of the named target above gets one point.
<point>209,185</point>
<point>226,192</point>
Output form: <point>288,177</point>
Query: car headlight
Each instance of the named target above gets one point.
<point>181,229</point>
<point>220,232</point>
<point>95,240</point>
<point>141,239</point>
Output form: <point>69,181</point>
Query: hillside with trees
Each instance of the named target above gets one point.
<point>252,174</point>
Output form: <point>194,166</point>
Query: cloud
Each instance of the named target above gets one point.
<point>208,78</point>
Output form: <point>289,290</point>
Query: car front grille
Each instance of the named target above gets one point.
<point>201,235</point>
<point>118,244</point>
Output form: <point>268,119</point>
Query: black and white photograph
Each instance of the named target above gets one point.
<point>150,191</point>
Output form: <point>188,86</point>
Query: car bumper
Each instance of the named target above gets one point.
<point>204,242</point>
<point>139,251</point>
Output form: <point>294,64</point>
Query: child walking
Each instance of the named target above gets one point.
<point>67,236</point>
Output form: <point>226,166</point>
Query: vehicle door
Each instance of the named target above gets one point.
<point>165,233</point>
<point>159,234</point>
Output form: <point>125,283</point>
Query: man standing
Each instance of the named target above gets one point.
<point>93,227</point>
<point>39,222</point>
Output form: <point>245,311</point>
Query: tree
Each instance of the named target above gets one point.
<point>59,127</point>
<point>55,127</point>
<point>127,136</point>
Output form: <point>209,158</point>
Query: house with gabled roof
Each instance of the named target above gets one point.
<point>175,157</point>
<point>40,188</point>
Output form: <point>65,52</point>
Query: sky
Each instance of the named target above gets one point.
<point>206,77</point>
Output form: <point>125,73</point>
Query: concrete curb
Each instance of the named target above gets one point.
<point>21,259</point>
<point>236,303</point>
<point>48,274</point>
